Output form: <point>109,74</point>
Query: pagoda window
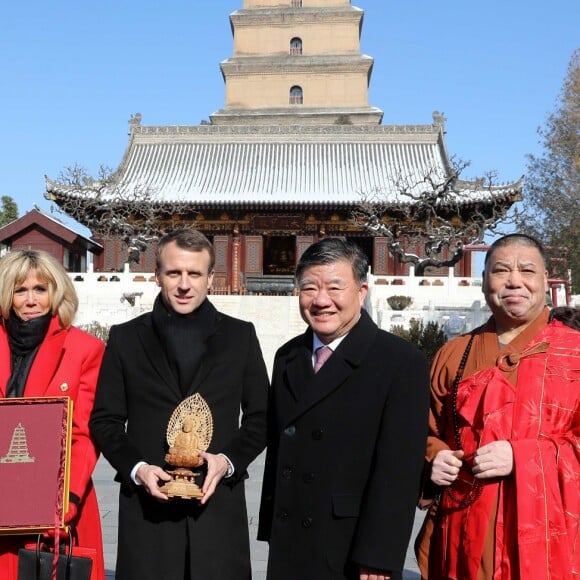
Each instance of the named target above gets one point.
<point>296,3</point>
<point>296,46</point>
<point>296,95</point>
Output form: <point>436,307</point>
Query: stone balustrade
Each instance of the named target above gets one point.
<point>456,304</point>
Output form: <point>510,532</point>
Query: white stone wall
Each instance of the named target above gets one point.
<point>456,304</point>
<point>276,318</point>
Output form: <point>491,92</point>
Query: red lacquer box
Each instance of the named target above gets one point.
<point>35,439</point>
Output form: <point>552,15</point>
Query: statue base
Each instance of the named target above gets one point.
<point>182,485</point>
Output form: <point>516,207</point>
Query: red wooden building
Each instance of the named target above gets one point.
<point>38,231</point>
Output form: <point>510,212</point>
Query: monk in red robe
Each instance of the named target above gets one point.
<point>504,443</point>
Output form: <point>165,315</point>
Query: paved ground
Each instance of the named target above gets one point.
<point>107,491</point>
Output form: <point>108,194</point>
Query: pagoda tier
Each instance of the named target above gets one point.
<point>297,62</point>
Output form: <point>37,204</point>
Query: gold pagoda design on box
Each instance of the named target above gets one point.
<point>18,451</point>
<point>284,163</point>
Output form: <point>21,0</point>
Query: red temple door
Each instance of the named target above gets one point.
<point>381,257</point>
<point>302,242</point>
<point>222,274</point>
<point>253,255</point>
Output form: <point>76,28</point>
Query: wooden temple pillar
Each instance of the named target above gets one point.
<point>229,263</point>
<point>235,268</point>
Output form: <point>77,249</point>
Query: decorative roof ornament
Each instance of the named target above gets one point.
<point>439,119</point>
<point>135,120</point>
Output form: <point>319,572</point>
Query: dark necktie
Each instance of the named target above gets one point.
<point>322,355</point>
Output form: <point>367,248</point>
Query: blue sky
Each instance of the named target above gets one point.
<point>73,72</point>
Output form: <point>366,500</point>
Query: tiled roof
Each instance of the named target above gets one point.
<point>49,224</point>
<point>271,165</point>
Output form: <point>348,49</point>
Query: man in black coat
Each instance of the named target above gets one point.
<point>151,364</point>
<point>346,442</point>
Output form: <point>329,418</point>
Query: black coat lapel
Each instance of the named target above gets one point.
<point>339,367</point>
<point>299,371</point>
<point>156,355</point>
<point>212,345</point>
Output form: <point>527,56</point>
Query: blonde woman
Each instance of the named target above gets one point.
<point>42,354</point>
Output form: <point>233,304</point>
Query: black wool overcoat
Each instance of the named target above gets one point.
<point>344,458</point>
<point>136,395</point>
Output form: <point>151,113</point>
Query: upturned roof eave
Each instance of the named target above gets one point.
<point>60,194</point>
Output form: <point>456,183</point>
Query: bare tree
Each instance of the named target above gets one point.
<point>438,212</point>
<point>552,192</point>
<point>111,209</point>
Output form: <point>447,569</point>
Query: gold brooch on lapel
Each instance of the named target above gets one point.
<point>64,387</point>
